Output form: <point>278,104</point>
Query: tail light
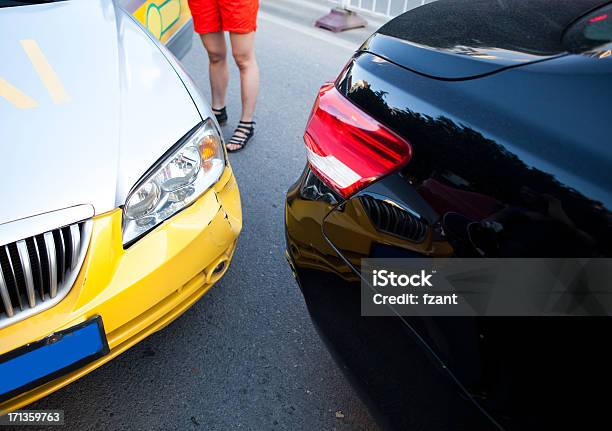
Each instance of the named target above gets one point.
<point>347,148</point>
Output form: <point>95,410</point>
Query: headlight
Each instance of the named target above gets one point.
<point>178,179</point>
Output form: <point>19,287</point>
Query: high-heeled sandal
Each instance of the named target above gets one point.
<point>220,115</point>
<point>242,135</point>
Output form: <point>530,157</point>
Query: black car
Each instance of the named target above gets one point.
<point>477,128</point>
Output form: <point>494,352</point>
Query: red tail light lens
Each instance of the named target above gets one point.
<point>347,148</point>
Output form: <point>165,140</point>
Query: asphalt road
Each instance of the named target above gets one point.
<point>246,356</point>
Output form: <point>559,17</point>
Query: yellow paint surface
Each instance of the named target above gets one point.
<point>142,289</point>
<point>163,18</point>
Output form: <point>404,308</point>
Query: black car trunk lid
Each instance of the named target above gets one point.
<point>460,39</point>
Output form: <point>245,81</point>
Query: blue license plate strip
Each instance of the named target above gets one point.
<point>58,354</point>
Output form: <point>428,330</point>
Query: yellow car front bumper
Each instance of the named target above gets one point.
<point>139,290</point>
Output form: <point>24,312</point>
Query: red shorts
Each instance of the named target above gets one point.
<point>236,16</point>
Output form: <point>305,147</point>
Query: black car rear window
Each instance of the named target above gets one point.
<point>13,3</point>
<point>592,34</point>
<point>530,26</point>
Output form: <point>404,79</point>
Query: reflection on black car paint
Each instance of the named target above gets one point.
<point>475,183</point>
<point>514,163</point>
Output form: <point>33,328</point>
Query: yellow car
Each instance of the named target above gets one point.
<point>168,20</point>
<point>119,206</point>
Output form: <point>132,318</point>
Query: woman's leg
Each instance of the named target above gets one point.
<point>243,50</point>
<point>217,66</point>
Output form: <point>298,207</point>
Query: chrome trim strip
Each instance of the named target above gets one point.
<point>26,267</point>
<point>6,298</point>
<point>61,265</point>
<point>16,230</point>
<point>50,245</point>
<point>10,262</point>
<point>85,240</point>
<point>75,236</point>
<point>40,274</point>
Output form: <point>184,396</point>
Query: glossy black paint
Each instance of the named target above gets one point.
<point>530,27</point>
<point>453,40</point>
<point>506,145</point>
<point>457,64</point>
<point>514,163</point>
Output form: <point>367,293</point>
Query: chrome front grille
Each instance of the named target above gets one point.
<point>38,271</point>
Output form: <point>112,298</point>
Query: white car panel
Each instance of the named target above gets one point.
<point>91,147</point>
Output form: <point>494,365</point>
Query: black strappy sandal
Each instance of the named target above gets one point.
<point>243,134</point>
<point>220,115</point>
